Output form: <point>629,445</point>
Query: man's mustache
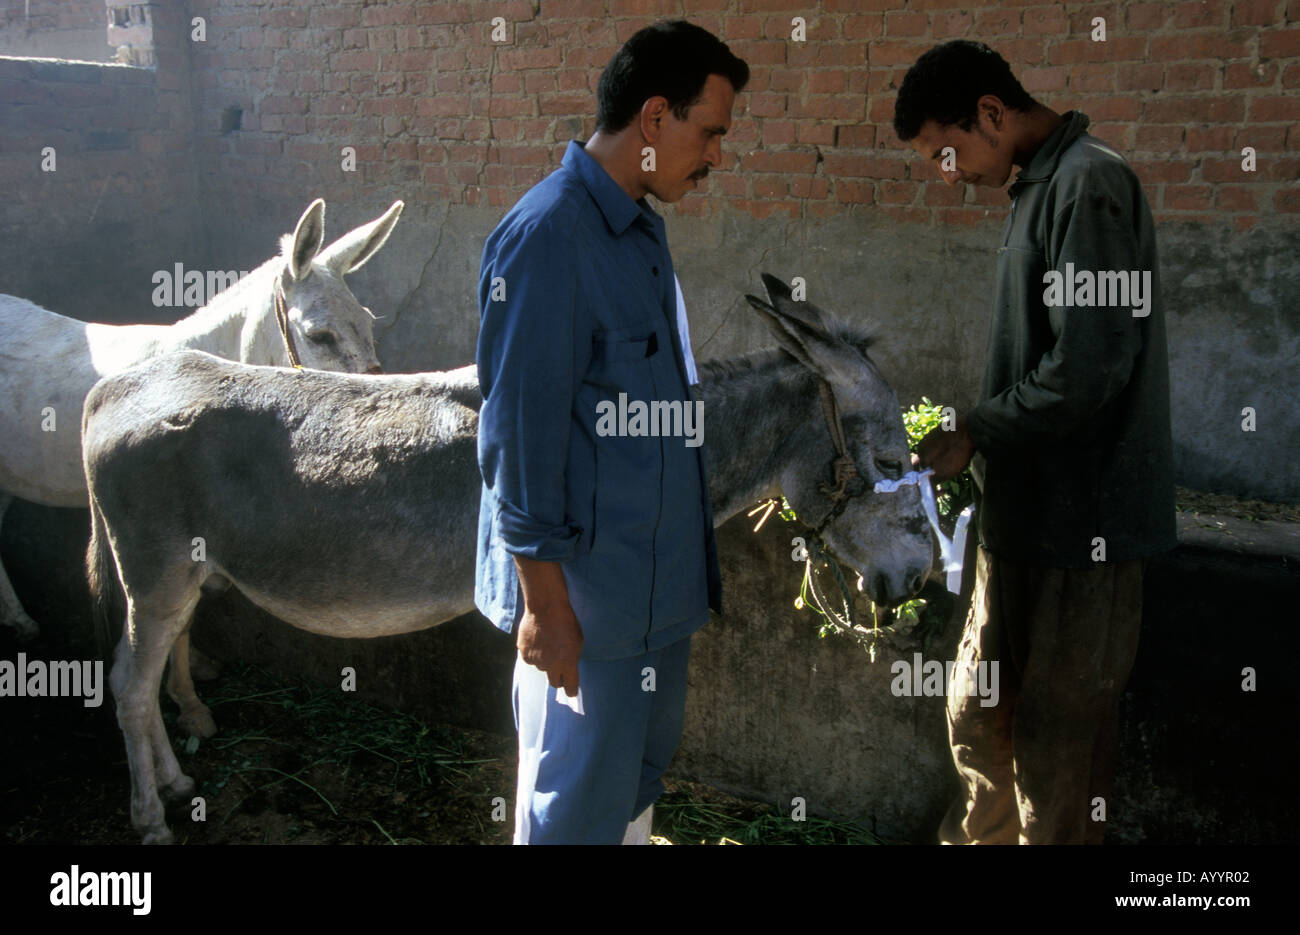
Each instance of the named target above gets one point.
<point>703,173</point>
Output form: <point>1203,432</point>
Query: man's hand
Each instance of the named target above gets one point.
<point>552,641</point>
<point>549,636</point>
<point>947,452</point>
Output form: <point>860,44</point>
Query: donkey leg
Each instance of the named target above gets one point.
<point>135,679</point>
<point>196,717</point>
<point>12,614</point>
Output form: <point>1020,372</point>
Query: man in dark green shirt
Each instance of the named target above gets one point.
<point>1071,446</point>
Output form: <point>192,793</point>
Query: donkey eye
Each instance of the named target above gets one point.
<point>890,468</point>
<point>327,338</point>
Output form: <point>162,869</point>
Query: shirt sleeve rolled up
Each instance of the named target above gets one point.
<point>527,370</point>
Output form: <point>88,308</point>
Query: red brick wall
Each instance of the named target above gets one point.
<point>84,239</point>
<point>438,112</point>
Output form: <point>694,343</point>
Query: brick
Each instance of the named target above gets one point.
<point>989,23</point>
<point>517,59</point>
<point>906,24</point>
<point>1213,45</point>
<point>354,61</point>
<point>1271,109</point>
<point>1256,13</point>
<point>1159,138</point>
<point>864,26</point>
<point>1092,78</point>
<point>1190,77</point>
<point>767,105</point>
<point>889,191</point>
<point>843,54</point>
<point>847,192</point>
<point>941,194</point>
<point>1198,14</point>
<point>897,53</point>
<point>1236,198</point>
<point>1209,139</point>
<point>1280,43</point>
<point>760,51</point>
<point>1139,77</point>
<point>763,161</point>
<point>857,166</point>
<point>1265,139</point>
<point>856,136</point>
<point>1243,75</point>
<point>1114,49</point>
<point>1161,170</point>
<point>826,82</point>
<point>1103,109</point>
<point>780,78</point>
<point>1195,109</point>
<point>1187,197</point>
<point>1045,21</point>
<point>815,132</point>
<point>953,25</point>
<point>827,106</point>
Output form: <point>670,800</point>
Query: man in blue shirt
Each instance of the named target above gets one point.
<point>595,541</point>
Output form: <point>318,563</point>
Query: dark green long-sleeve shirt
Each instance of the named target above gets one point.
<point>1073,422</point>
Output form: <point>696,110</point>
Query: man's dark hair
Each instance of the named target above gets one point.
<point>672,59</point>
<point>946,84</point>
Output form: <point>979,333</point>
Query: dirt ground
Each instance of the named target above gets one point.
<point>293,764</point>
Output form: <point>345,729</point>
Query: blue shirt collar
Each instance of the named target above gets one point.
<point>619,209</point>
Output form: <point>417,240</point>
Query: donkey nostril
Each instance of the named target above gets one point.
<point>914,584</point>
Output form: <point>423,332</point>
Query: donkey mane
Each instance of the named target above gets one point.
<point>861,335</point>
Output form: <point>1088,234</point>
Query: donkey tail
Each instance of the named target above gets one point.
<point>101,573</point>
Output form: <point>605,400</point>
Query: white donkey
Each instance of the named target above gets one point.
<point>49,362</point>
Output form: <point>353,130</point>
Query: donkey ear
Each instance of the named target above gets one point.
<point>307,239</point>
<point>784,338</point>
<point>351,251</point>
<point>803,325</point>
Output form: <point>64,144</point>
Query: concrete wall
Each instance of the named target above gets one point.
<point>71,29</point>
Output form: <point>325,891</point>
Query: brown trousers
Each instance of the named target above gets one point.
<point>1033,764</point>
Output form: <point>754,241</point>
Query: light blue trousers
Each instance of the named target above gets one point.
<point>584,777</point>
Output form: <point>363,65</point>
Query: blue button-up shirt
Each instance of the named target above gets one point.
<point>579,312</point>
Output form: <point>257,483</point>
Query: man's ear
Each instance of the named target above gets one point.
<point>992,105</point>
<point>653,113</point>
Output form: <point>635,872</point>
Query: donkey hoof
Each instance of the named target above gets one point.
<point>198,723</point>
<point>178,791</point>
<point>158,837</point>
<point>203,667</point>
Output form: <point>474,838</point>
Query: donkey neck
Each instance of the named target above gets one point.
<point>758,411</point>
<point>219,326</point>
